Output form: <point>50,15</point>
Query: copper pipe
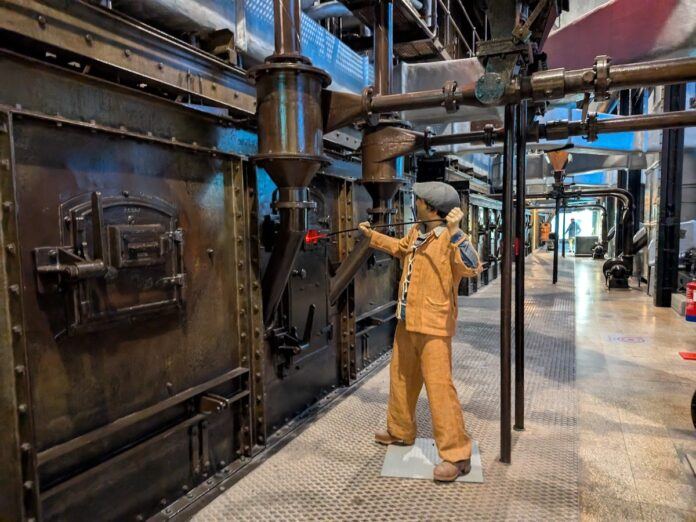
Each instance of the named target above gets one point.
<point>383,46</point>
<point>550,85</point>
<point>286,15</point>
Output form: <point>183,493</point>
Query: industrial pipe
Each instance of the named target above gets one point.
<point>379,174</point>
<point>287,84</point>
<point>548,85</point>
<point>506,290</point>
<point>554,277</point>
<point>520,251</point>
<point>286,17</point>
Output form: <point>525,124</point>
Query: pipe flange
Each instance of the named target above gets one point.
<point>427,135</point>
<point>371,118</point>
<point>449,89</point>
<point>591,126</point>
<point>602,81</point>
<point>293,204</point>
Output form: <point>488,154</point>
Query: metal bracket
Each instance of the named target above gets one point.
<point>602,81</point>
<point>591,126</point>
<point>449,89</point>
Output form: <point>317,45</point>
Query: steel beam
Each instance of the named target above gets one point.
<point>520,251</point>
<point>670,202</point>
<point>506,290</point>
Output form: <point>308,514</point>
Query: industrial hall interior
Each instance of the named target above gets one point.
<point>347,260</point>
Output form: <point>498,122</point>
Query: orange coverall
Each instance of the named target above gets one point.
<point>423,342</point>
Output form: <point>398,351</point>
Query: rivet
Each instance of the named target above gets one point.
<point>160,66</point>
<point>28,485</point>
<point>257,332</point>
<point>163,501</point>
<point>244,358</point>
<point>89,39</point>
<point>10,248</point>
<point>16,329</point>
<point>260,438</point>
<point>243,335</point>
<point>19,369</point>
<point>26,447</point>
<point>5,164</point>
<point>22,408</point>
<point>254,285</point>
<point>42,21</point>
<point>127,52</point>
<point>259,398</point>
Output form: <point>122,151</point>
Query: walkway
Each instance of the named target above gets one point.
<point>331,471</point>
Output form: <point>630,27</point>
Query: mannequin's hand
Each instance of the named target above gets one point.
<point>454,218</point>
<point>365,228</point>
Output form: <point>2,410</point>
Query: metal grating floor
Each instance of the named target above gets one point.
<point>331,471</point>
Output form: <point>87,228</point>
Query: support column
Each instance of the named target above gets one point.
<point>555,240</point>
<point>521,152</point>
<point>506,290</point>
<point>670,201</point>
<point>563,229</point>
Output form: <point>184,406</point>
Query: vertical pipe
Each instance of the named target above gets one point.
<point>555,240</point>
<point>521,149</point>
<point>672,159</point>
<point>506,290</point>
<point>286,14</point>
<point>383,46</point>
<point>563,242</point>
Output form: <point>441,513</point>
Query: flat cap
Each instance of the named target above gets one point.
<point>439,195</point>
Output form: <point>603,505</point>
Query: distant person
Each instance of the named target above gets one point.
<point>545,231</point>
<point>572,231</point>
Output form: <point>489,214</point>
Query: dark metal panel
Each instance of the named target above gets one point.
<point>106,40</point>
<point>84,381</point>
<point>35,86</point>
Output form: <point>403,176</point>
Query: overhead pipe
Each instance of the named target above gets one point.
<point>554,84</point>
<point>287,84</point>
<point>332,9</point>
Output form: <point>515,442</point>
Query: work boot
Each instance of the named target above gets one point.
<point>385,438</point>
<point>448,471</point>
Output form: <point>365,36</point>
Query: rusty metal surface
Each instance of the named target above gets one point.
<point>105,39</point>
<point>89,381</point>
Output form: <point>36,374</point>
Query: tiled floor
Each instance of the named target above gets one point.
<point>634,404</point>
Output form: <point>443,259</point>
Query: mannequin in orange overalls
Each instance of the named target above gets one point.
<point>435,257</point>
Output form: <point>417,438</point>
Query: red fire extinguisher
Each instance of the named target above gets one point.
<point>691,301</point>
